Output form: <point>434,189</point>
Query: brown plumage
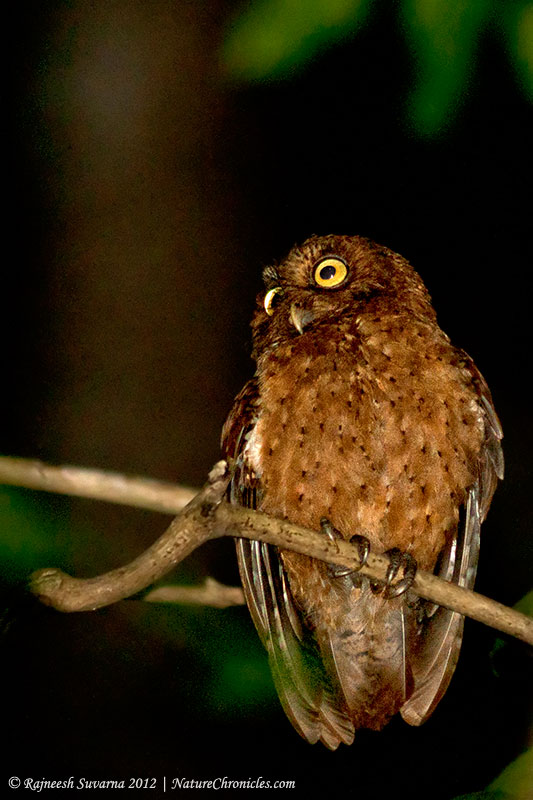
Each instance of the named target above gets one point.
<point>360,411</point>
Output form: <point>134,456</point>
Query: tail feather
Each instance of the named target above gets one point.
<point>368,658</point>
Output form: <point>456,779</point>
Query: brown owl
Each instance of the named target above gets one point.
<point>362,419</point>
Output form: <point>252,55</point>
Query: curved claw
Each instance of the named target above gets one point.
<point>332,533</point>
<point>397,559</point>
<point>363,549</point>
<point>410,567</point>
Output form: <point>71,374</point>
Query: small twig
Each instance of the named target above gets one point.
<point>210,593</point>
<point>207,517</point>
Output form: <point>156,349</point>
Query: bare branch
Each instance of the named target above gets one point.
<point>112,487</point>
<point>207,517</point>
<point>185,533</point>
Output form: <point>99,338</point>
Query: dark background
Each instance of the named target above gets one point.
<point>145,192</point>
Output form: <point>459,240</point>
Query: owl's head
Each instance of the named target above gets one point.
<point>329,277</point>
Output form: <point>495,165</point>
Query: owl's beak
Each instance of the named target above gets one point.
<point>300,317</point>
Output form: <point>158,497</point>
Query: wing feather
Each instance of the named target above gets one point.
<point>436,651</point>
<point>308,696</point>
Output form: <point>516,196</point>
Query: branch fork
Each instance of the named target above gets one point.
<point>201,517</point>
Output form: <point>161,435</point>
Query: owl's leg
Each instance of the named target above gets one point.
<point>397,560</point>
<point>362,543</point>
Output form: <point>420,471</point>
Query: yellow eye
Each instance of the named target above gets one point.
<point>270,299</point>
<point>330,272</point>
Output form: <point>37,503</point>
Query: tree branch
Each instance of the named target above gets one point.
<point>210,593</point>
<point>185,533</point>
<point>112,487</point>
<point>207,516</point>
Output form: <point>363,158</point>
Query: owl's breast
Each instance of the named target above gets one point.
<point>370,427</point>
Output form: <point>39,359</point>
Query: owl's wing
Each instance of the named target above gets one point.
<point>435,653</point>
<point>308,696</point>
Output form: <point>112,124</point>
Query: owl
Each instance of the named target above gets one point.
<point>362,420</point>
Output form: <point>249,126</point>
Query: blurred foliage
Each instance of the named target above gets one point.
<point>504,649</point>
<point>519,35</point>
<point>241,683</point>
<point>508,657</point>
<point>273,39</point>
<point>516,780</point>
<point>35,532</point>
<point>222,647</point>
<point>514,783</point>
<point>443,38</point>
<point>525,604</point>
<point>31,533</point>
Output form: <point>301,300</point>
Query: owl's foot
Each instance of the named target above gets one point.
<point>362,543</point>
<point>397,561</point>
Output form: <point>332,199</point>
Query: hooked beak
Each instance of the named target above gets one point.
<point>299,317</point>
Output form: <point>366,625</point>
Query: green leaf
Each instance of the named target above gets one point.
<point>273,38</point>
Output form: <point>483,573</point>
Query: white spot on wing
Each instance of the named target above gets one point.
<point>253,448</point>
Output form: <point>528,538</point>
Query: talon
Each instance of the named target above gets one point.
<point>336,571</point>
<point>397,559</point>
<point>333,534</point>
<point>363,549</point>
<point>362,543</point>
<point>409,572</point>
